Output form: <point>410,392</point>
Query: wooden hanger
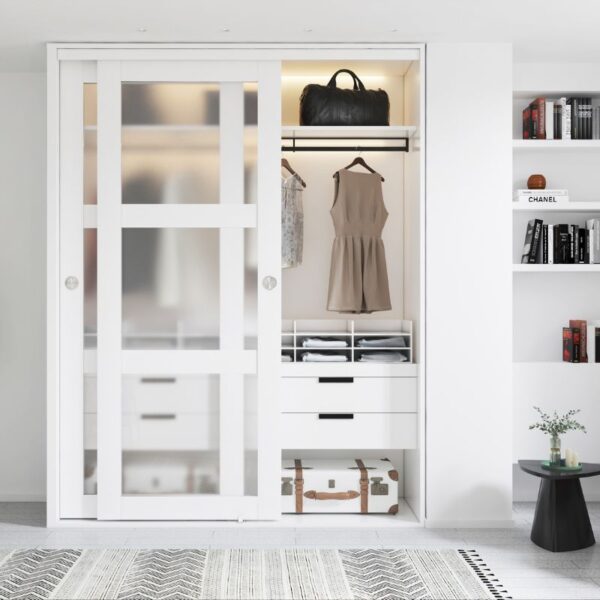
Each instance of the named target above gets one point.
<point>286,165</point>
<point>359,160</point>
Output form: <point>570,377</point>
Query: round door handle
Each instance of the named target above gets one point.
<point>71,282</point>
<point>269,282</point>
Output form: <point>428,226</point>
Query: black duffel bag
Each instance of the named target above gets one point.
<point>330,105</point>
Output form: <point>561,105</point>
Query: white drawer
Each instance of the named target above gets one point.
<point>197,394</point>
<point>375,431</point>
<point>348,394</point>
<point>166,431</point>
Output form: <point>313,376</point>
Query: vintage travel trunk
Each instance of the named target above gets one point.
<point>339,486</point>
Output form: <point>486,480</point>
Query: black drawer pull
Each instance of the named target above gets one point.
<point>336,379</point>
<point>159,416</point>
<point>158,380</point>
<point>336,416</point>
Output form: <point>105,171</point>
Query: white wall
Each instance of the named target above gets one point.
<point>22,291</point>
<point>469,284</point>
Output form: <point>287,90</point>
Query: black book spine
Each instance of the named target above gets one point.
<point>574,103</point>
<point>582,244</point>
<point>535,243</point>
<point>586,246</point>
<point>545,244</point>
<point>555,244</point>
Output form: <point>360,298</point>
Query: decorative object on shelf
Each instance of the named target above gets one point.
<point>572,459</point>
<point>555,426</point>
<point>329,105</point>
<point>536,182</point>
<point>542,198</point>
<point>563,468</point>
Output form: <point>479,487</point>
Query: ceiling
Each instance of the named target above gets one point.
<point>540,30</point>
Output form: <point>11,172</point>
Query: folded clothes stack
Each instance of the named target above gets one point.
<point>386,342</point>
<point>316,357</point>
<point>324,342</point>
<point>383,357</point>
<point>286,358</point>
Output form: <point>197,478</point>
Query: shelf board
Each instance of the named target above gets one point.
<point>555,144</point>
<point>585,207</point>
<point>351,133</point>
<point>524,268</point>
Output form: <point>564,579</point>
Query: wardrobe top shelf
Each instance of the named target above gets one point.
<point>357,132</point>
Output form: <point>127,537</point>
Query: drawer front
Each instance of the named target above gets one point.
<point>169,431</point>
<point>348,431</point>
<point>348,394</point>
<point>162,394</point>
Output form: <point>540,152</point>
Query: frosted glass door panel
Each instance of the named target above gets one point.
<point>171,288</point>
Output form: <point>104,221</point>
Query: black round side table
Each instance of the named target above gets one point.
<point>561,521</point>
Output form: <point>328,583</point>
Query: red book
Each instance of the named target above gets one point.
<point>526,123</point>
<point>567,344</point>
<point>576,344</point>
<point>582,326</point>
<point>538,106</point>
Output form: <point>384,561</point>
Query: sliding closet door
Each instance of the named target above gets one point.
<point>188,295</point>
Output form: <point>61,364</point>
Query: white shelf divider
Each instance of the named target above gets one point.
<point>585,207</point>
<point>556,144</point>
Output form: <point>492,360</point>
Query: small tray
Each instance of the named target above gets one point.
<point>546,465</point>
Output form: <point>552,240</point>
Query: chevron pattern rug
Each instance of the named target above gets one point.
<point>246,574</point>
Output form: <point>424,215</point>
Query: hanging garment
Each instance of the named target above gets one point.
<point>292,222</point>
<point>358,281</point>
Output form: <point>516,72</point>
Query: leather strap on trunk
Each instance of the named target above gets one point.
<point>298,485</point>
<point>364,486</point>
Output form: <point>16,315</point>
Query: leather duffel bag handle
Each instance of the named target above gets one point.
<point>358,84</point>
<point>314,495</point>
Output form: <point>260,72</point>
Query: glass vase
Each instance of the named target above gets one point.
<point>554,451</point>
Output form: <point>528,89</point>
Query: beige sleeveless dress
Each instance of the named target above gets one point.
<point>358,280</point>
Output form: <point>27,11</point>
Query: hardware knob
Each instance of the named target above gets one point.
<point>71,282</point>
<point>269,282</point>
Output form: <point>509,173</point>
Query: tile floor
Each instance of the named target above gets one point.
<point>528,572</point>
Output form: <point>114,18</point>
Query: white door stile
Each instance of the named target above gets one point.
<point>269,301</point>
<point>231,292</point>
<point>109,290</point>
<point>71,300</point>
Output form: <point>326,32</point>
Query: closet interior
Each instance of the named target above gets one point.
<point>363,398</point>
<point>344,405</point>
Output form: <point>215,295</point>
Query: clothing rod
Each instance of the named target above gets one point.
<point>344,148</point>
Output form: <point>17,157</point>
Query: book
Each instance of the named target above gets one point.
<point>593,227</point>
<point>538,116</point>
<point>549,112</point>
<point>531,250</point>
<point>567,348</point>
<point>550,244</point>
<point>557,120</point>
<point>581,327</point>
<point>596,123</point>
<point>562,244</point>
<point>585,118</point>
<point>597,344</point>
<point>526,123</point>
<point>573,102</point>
<point>544,245</point>
<point>582,245</point>
<point>574,243</point>
<point>591,344</point>
<point>541,196</point>
<point>576,345</point>
<point>565,111</point>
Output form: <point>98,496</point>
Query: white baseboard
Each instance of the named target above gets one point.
<point>468,524</point>
<point>22,497</point>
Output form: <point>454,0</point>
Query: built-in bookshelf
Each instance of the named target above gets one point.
<point>547,296</point>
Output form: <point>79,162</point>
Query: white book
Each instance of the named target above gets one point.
<point>566,119</point>
<point>542,197</point>
<point>591,343</point>
<point>549,120</point>
<point>550,244</point>
<point>554,192</point>
<point>593,225</point>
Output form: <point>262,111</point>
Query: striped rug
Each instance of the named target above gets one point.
<point>246,574</point>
